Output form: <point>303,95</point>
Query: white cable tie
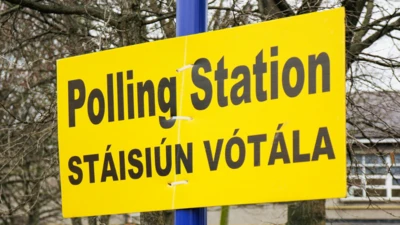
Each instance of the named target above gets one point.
<point>184,68</point>
<point>181,118</point>
<point>175,183</point>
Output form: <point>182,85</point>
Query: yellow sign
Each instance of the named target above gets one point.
<point>245,115</point>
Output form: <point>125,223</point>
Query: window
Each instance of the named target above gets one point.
<point>373,177</point>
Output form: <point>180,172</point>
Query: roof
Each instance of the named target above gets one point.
<point>373,115</point>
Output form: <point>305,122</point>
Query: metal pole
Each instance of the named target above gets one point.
<point>191,18</point>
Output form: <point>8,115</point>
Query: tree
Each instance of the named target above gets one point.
<point>34,34</point>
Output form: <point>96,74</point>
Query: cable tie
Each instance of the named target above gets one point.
<point>175,183</point>
<point>184,68</point>
<point>181,118</point>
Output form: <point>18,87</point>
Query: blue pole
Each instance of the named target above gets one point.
<point>191,18</point>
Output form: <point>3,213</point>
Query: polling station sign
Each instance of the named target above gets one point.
<point>244,115</point>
